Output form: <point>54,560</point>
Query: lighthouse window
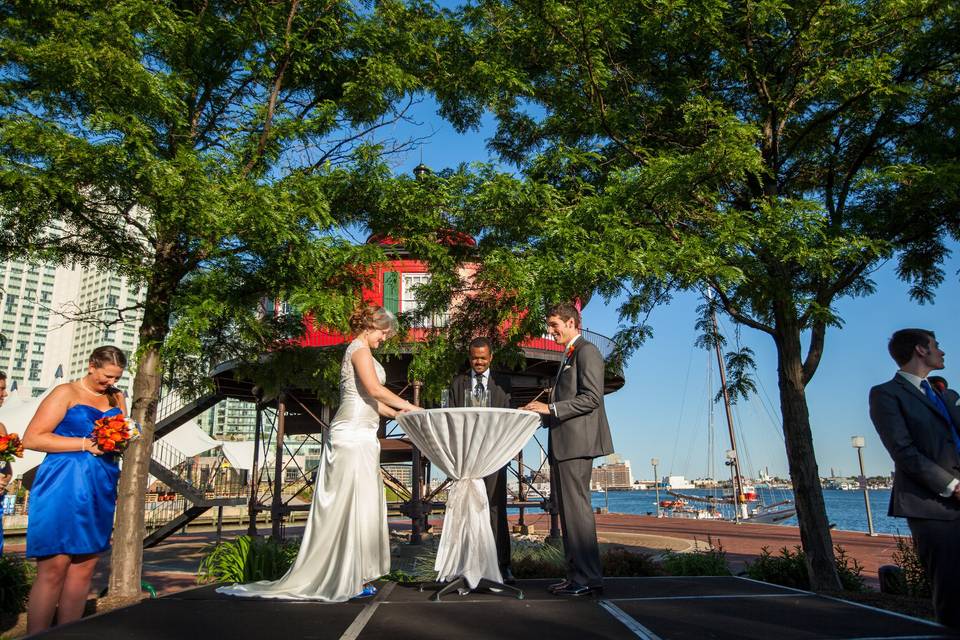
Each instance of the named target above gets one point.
<point>409,302</point>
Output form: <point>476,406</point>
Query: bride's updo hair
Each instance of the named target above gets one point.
<point>372,316</point>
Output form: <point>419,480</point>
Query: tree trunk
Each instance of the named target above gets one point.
<point>126,561</point>
<point>808,494</point>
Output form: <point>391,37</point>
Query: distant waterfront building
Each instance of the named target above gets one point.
<point>401,472</point>
<point>677,482</point>
<point>613,475</point>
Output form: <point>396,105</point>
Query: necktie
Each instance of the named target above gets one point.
<point>937,401</point>
<point>478,390</point>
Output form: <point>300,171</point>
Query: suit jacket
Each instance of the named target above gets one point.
<point>498,388</point>
<point>580,428</point>
<point>919,441</point>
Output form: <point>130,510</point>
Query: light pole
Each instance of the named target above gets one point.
<point>656,482</point>
<point>858,443</point>
<point>734,483</point>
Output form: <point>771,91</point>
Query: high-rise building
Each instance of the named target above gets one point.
<point>52,317</point>
<point>230,419</point>
<point>111,305</point>
<point>24,322</point>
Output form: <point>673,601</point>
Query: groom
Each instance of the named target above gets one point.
<point>478,381</point>
<point>578,433</point>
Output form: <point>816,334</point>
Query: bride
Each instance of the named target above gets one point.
<point>346,543</point>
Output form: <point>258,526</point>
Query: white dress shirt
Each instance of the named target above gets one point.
<point>563,363</point>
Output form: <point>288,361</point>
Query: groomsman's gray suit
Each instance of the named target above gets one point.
<point>579,432</point>
<point>925,462</point>
<point>499,390</point>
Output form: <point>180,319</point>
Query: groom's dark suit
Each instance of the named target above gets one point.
<point>499,390</point>
<point>918,438</point>
<point>579,432</point>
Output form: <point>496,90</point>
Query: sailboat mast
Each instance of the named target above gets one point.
<point>738,481</point>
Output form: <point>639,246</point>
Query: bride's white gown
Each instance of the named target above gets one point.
<point>345,542</point>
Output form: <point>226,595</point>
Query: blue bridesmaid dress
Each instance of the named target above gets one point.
<point>74,494</point>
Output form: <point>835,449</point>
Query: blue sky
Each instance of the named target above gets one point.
<point>662,411</point>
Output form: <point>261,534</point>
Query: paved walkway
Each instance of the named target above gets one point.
<point>630,608</point>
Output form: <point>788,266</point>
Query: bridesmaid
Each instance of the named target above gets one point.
<point>6,470</point>
<point>75,490</point>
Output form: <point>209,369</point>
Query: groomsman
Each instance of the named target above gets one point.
<point>478,381</point>
<point>579,432</point>
<point>919,428</point>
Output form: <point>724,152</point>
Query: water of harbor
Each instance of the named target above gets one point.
<point>845,509</point>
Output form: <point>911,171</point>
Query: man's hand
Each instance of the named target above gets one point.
<point>956,492</point>
<point>537,407</point>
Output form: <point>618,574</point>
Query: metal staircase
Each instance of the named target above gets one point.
<point>193,489</point>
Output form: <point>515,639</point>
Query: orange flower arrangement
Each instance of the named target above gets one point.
<point>113,434</point>
<point>10,448</point>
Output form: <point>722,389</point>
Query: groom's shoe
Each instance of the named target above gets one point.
<point>508,576</point>
<point>563,584</point>
<point>577,590</point>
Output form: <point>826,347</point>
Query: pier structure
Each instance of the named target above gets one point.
<point>277,479</point>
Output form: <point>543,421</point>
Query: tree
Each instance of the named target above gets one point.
<point>212,152</point>
<point>775,152</point>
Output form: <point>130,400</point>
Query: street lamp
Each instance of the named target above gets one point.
<point>656,482</point>
<point>858,443</point>
<point>734,483</point>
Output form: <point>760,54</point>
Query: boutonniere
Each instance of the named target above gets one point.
<point>568,353</point>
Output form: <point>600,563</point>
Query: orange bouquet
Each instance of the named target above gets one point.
<point>113,434</point>
<point>10,448</point>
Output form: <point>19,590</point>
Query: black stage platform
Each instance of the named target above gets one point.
<point>649,608</point>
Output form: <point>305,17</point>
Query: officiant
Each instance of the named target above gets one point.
<point>482,387</point>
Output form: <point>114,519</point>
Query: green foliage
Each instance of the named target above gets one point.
<point>789,568</point>
<point>621,562</point>
<point>16,578</point>
<point>774,152</point>
<point>247,559</point>
<point>536,560</point>
<point>709,561</point>
<point>916,581</point>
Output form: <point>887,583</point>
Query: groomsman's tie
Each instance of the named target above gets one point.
<point>478,390</point>
<point>937,401</point>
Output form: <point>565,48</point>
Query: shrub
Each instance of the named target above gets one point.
<point>914,575</point>
<point>536,560</point>
<point>247,559</point>
<point>16,576</point>
<point>620,562</point>
<point>789,569</point>
<point>709,561</point>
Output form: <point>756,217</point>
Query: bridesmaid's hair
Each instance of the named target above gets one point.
<point>372,316</point>
<point>108,354</point>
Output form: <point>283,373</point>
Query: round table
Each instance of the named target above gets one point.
<point>468,444</point>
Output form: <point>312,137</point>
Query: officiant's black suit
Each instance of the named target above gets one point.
<point>499,390</point>
<point>579,432</point>
<point>918,438</point>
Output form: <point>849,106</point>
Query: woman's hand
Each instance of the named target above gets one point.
<point>90,446</point>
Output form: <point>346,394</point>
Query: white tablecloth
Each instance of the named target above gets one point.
<point>468,444</point>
